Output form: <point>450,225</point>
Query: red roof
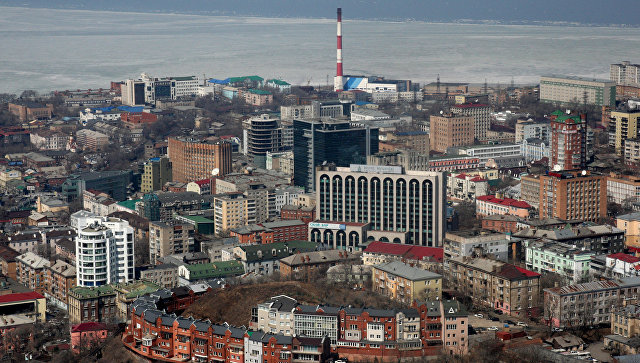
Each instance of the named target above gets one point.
<point>478,179</point>
<point>203,182</point>
<point>506,201</point>
<point>407,251</point>
<point>89,326</point>
<point>624,257</point>
<point>21,296</point>
<point>461,176</point>
<point>513,272</point>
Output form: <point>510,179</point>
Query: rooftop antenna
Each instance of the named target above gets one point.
<point>438,84</point>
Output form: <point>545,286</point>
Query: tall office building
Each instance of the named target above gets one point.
<point>569,89</point>
<point>157,171</point>
<point>195,159</point>
<point>448,130</point>
<point>262,134</point>
<point>104,250</point>
<point>481,114</point>
<point>400,206</point>
<point>318,142</point>
<point>568,141</point>
<point>133,92</point>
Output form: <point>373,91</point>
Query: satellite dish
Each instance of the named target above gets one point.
<point>557,167</point>
<point>584,172</point>
<point>215,171</point>
<point>441,112</point>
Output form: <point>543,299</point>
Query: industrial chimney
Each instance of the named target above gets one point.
<point>338,82</point>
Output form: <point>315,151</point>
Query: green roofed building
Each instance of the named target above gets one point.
<point>246,81</point>
<point>129,204</point>
<point>202,271</point>
<point>202,225</point>
<point>127,293</point>
<point>92,304</point>
<point>264,259</point>
<point>280,85</point>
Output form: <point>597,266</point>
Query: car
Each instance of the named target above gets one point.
<point>499,312</point>
<point>494,318</point>
<point>510,322</point>
<point>557,329</point>
<point>493,328</point>
<point>479,316</point>
<point>522,324</point>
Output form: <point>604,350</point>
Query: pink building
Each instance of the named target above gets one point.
<point>86,335</point>
<point>488,205</point>
<point>455,328</point>
<point>258,97</point>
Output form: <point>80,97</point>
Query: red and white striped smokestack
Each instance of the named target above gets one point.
<point>338,84</point>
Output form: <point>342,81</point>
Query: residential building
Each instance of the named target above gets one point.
<point>91,140</point>
<point>161,206</point>
<point>621,265</point>
<point>230,210</point>
<point>504,223</point>
<point>318,142</point>
<point>475,244</point>
<point>264,259</point>
<point>568,141</point>
<point>489,152</point>
<point>8,261</point>
<point>31,305</point>
<point>630,224</point>
<point>114,183</point>
<point>164,275</point>
<point>624,125</point>
<point>625,73</point>
<point>201,224</point>
<point>297,212</point>
<point>589,303</point>
<point>127,293</point>
<point>448,131</point>
<point>358,276</point>
<point>632,152</point>
<point>530,189</point>
<point>488,205</point>
<point>481,114</point>
<point>157,172</point>
<point>280,231</point>
<point>313,110</point>
<point>258,97</point>
<point>399,206</point>
<point>529,129</point>
<point>568,89</point>
<point>60,277</point>
<point>193,159</point>
<point>168,238</point>
<point>49,140</point>
<point>623,189</point>
<point>406,284</point>
<point>31,271</point>
<point>86,336</point>
<point>280,161</point>
<point>92,304</point>
<point>279,84</point>
<point>495,284</point>
<point>599,239</point>
<point>188,274</point>
<point>625,328</point>
<point>303,265</point>
<point>261,135</point>
<point>464,187</point>
<point>563,259</point>
<point>202,187</point>
<point>29,111</point>
<point>104,251</point>
<point>453,162</point>
<point>426,258</point>
<point>573,195</point>
<point>535,149</point>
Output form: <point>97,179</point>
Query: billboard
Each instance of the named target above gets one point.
<point>327,225</point>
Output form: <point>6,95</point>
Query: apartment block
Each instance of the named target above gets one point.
<point>168,238</point>
<point>92,304</point>
<point>164,275</point>
<point>623,189</point>
<point>624,123</point>
<point>31,271</point>
<point>481,114</point>
<point>625,73</point>
<point>60,277</point>
<point>495,284</point>
<point>488,205</point>
<point>630,224</point>
<point>563,259</point>
<point>568,89</point>
<point>475,243</point>
<point>157,172</point>
<point>450,131</point>
<point>230,211</point>
<point>406,284</point>
<point>573,195</point>
<point>194,159</point>
<point>91,140</point>
<point>632,152</point>
<point>426,258</point>
<point>529,129</point>
<point>28,111</point>
<point>466,187</point>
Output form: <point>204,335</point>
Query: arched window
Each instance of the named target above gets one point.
<point>387,204</point>
<point>337,209</point>
<point>328,238</point>
<point>363,200</point>
<point>374,194</point>
<point>350,199</point>
<point>341,240</point>
<point>324,197</point>
<point>401,205</point>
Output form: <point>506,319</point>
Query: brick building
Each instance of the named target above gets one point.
<point>196,159</point>
<point>573,195</point>
<point>448,130</point>
<point>87,335</point>
<point>500,223</point>
<point>60,277</point>
<point>488,205</point>
<point>30,271</point>
<point>27,111</point>
<point>8,261</point>
<point>270,232</point>
<point>305,214</point>
<point>92,304</point>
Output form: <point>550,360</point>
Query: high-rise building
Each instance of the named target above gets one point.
<point>168,238</point>
<point>157,171</point>
<point>317,142</point>
<point>133,92</point>
<point>400,206</point>
<point>532,130</point>
<point>449,130</point>
<point>481,114</point>
<point>625,73</point>
<point>573,195</point>
<point>104,250</point>
<point>568,141</point>
<point>262,135</point>
<point>569,89</point>
<point>194,159</point>
<point>624,125</point>
<point>230,210</point>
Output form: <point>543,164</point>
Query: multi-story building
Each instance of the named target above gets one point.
<point>535,149</point>
<point>495,284</point>
<point>632,152</point>
<point>281,161</point>
<point>563,259</point>
<point>127,293</point>
<point>161,206</point>
<point>620,265</point>
<point>104,251</point>
<point>488,205</point>
<point>630,224</point>
<point>115,183</point>
<point>318,142</point>
<point>8,261</point>
<point>31,271</point>
<point>623,189</point>
<point>589,303</point>
<point>230,210</point>
<point>313,110</point>
<point>257,97</point>
<point>279,231</point>
<point>157,171</point>
<point>297,212</point>
<point>569,89</point>
<point>529,129</point>
<point>400,206</point>
<point>192,273</point>
<point>193,159</point>
<point>625,328</point>
<point>28,111</point>
<point>500,223</point>
<point>530,189</point>
<point>573,195</point>
<point>481,114</point>
<point>426,258</point>
<point>625,73</point>
<point>49,140</point>
<point>491,152</point>
<point>92,304</point>
<point>264,259</point>
<point>303,265</point>
<point>168,238</point>
<point>568,141</point>
<point>624,125</point>
<point>91,140</point>
<point>452,163</point>
<point>450,131</point>
<point>599,239</point>
<point>60,277</point>
<point>164,275</point>
<point>261,135</point>
<point>472,243</point>
<point>405,283</point>
<point>465,187</point>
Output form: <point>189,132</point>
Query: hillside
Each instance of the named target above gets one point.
<point>233,305</point>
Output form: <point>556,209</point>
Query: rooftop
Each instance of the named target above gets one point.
<point>406,251</point>
<point>214,269</point>
<point>318,257</point>
<point>403,270</point>
<point>624,257</point>
<point>504,201</point>
<point>20,296</point>
<point>82,292</point>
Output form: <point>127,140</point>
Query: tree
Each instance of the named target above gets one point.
<point>467,215</point>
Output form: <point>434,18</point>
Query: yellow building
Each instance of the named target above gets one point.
<point>626,126</point>
<point>157,171</point>
<point>404,283</point>
<point>231,210</point>
<point>489,174</point>
<point>630,224</point>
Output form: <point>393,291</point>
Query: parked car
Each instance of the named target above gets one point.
<point>510,322</point>
<point>557,329</point>
<point>499,312</point>
<point>522,324</point>
<point>479,316</point>
<point>493,328</point>
<point>494,318</point>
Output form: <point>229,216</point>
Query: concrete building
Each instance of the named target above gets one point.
<point>49,140</point>
<point>573,195</point>
<point>91,140</point>
<point>400,206</point>
<point>282,161</point>
<point>164,275</point>
<point>495,284</point>
<point>157,172</point>
<point>168,238</point>
<point>530,189</point>
<point>568,89</point>
<point>114,183</point>
<point>257,97</point>
<point>464,187</point>
<point>470,244</point>
<point>624,125</point>
<point>31,271</point>
<point>625,73</point>
<point>261,135</point>
<point>92,304</point>
<point>406,284</point>
<point>568,141</point>
<point>488,205</point>
<point>264,259</point>
<point>449,131</point>
<point>161,206</point>
<point>529,129</point>
<point>535,149</point>
<point>28,111</point>
<point>623,189</point>
<point>630,224</point>
<point>563,259</point>
<point>194,159</point>
<point>487,152</point>
<point>230,210</point>
<point>481,114</point>
<point>60,277</point>
<point>632,152</point>
<point>305,265</point>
